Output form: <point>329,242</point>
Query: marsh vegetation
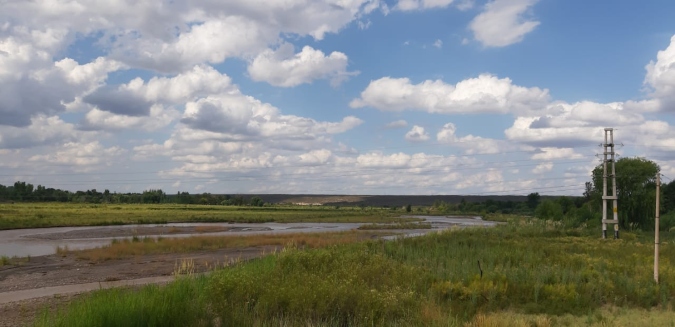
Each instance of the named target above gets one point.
<point>530,271</point>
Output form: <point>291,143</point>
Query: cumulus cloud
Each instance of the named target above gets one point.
<point>660,77</point>
<point>543,168</point>
<point>32,84</point>
<point>118,101</point>
<point>81,154</point>
<point>474,144</point>
<point>151,105</point>
<point>555,153</point>
<point>410,5</point>
<point>42,131</point>
<point>483,94</point>
<point>174,36</point>
<point>503,22</point>
<point>438,44</point>
<point>286,69</point>
<point>567,125</point>
<point>158,117</point>
<point>239,117</point>
<point>417,134</point>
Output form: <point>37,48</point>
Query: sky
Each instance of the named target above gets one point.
<point>332,97</point>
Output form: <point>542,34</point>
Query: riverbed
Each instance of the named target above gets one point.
<point>45,241</point>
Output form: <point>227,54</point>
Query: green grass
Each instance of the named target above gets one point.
<point>181,303</point>
<point>531,271</point>
<point>34,215</point>
<point>4,261</point>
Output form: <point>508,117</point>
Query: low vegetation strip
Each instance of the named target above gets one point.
<point>142,246</point>
<point>531,269</point>
<point>36,215</point>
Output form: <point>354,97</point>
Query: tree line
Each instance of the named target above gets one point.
<point>635,179</point>
<point>636,192</point>
<point>26,192</point>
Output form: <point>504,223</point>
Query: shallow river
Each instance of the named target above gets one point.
<point>44,241</point>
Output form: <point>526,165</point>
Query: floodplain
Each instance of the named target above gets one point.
<point>525,272</point>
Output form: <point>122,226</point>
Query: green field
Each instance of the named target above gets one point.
<point>532,273</point>
<point>33,215</point>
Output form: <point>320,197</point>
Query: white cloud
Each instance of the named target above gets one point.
<point>32,84</point>
<point>483,94</point>
<point>409,5</point>
<point>564,125</point>
<point>396,124</point>
<point>503,23</point>
<point>556,153</point>
<point>417,134</point>
<point>543,168</point>
<point>174,36</point>
<point>43,130</point>
<point>438,44</point>
<point>157,118</point>
<point>474,144</point>
<point>79,154</point>
<point>660,77</point>
<point>286,69</point>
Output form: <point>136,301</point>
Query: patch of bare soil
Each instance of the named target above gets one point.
<point>55,270</point>
<point>24,313</point>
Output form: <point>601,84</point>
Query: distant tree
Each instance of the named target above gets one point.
<point>408,208</point>
<point>549,209</point>
<point>256,201</point>
<point>238,200</point>
<point>533,200</point>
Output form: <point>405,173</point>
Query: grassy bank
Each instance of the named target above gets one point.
<point>529,273</point>
<point>33,215</point>
<point>142,246</point>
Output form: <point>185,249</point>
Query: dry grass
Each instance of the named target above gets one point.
<point>144,246</point>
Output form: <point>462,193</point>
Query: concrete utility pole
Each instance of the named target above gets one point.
<point>656,229</point>
<point>609,151</point>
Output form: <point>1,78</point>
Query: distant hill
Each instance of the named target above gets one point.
<point>383,200</point>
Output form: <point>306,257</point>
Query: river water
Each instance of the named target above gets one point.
<point>44,241</point>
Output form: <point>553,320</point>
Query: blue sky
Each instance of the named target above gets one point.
<point>337,96</point>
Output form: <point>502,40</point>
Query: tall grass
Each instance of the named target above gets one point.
<point>181,303</point>
<point>141,246</point>
<point>536,269</point>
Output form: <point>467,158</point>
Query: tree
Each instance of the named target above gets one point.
<point>635,188</point>
<point>256,201</point>
<point>549,209</point>
<point>408,208</point>
<point>533,200</point>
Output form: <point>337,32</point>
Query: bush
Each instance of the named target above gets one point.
<point>549,210</point>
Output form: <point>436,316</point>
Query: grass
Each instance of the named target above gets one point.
<point>35,215</point>
<point>13,261</point>
<point>531,273</point>
<point>125,248</point>
<point>398,225</point>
